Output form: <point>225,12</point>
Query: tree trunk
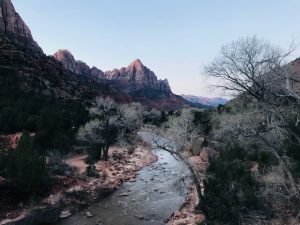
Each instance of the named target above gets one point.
<point>101,152</point>
<point>105,153</point>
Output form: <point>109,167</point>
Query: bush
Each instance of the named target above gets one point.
<point>24,168</point>
<point>131,150</point>
<point>229,187</point>
<point>57,125</point>
<point>117,156</point>
<point>203,120</point>
<point>55,121</point>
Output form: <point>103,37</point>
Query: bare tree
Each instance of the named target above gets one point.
<point>257,73</point>
<point>110,123</point>
<point>253,66</point>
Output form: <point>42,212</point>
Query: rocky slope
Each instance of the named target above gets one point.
<point>13,27</point>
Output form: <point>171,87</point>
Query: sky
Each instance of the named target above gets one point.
<point>174,38</point>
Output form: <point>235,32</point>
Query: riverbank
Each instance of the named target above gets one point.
<point>187,214</point>
<point>75,191</point>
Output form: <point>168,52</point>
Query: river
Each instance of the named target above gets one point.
<point>159,190</point>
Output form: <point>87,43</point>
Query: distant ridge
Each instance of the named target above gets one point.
<point>212,102</point>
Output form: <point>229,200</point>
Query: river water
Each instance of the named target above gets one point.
<point>159,190</point>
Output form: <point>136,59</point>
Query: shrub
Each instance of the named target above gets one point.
<point>24,168</point>
<point>117,156</point>
<point>131,150</point>
<point>229,187</point>
<point>203,120</point>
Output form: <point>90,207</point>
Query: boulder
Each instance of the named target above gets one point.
<point>64,214</point>
<point>207,154</point>
<point>89,214</point>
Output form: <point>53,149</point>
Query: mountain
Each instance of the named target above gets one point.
<point>26,71</point>
<point>136,77</point>
<point>13,27</point>
<point>211,102</point>
<point>130,79</point>
<point>135,80</point>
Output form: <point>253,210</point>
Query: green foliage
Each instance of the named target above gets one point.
<point>54,121</point>
<point>203,120</point>
<point>224,108</point>
<point>229,187</point>
<point>58,124</point>
<point>155,117</point>
<point>204,143</point>
<point>24,168</point>
<point>293,151</point>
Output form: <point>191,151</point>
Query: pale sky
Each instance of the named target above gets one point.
<point>174,38</point>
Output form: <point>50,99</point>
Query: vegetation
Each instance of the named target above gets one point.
<point>230,188</point>
<point>54,121</point>
<point>265,130</point>
<point>257,136</point>
<point>110,123</point>
<point>24,168</point>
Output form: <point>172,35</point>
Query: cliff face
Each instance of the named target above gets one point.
<point>13,27</point>
<point>136,77</point>
<point>76,66</point>
<point>133,78</point>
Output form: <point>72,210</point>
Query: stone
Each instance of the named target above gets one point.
<point>207,154</point>
<point>65,214</point>
<point>140,217</point>
<point>89,214</point>
<point>123,194</point>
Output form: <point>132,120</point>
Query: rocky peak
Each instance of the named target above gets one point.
<point>69,62</point>
<point>137,76</point>
<point>82,67</point>
<point>96,73</point>
<point>136,65</point>
<point>134,77</point>
<point>66,58</point>
<point>13,27</point>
